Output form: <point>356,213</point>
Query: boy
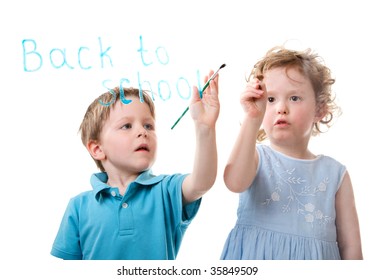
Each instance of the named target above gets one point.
<point>131,213</point>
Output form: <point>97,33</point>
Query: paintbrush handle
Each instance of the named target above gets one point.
<point>209,80</point>
<point>187,109</point>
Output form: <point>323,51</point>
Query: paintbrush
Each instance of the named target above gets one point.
<point>200,93</point>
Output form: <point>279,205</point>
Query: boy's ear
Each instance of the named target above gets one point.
<point>95,150</point>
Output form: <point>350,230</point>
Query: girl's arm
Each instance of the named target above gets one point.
<point>205,112</point>
<point>348,233</point>
<point>242,164</point>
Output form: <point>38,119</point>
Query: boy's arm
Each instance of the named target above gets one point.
<point>204,112</point>
<point>348,233</point>
<point>242,164</point>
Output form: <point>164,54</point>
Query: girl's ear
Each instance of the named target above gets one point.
<point>95,150</point>
<point>321,112</point>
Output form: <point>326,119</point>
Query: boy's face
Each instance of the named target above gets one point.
<point>128,138</point>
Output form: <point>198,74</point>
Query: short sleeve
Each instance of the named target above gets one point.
<point>66,245</point>
<point>181,215</point>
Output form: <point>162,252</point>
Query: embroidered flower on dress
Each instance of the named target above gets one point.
<point>318,215</point>
<point>309,218</point>
<point>309,207</point>
<point>275,196</point>
<point>323,185</point>
<point>296,193</point>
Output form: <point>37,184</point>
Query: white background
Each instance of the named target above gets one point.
<point>43,160</point>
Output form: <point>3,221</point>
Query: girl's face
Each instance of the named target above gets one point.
<point>291,108</point>
<point>128,138</point>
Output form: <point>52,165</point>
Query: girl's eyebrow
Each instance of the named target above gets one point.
<point>290,92</point>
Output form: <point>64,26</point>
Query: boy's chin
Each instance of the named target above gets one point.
<point>145,167</point>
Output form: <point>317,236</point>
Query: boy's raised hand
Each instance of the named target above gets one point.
<point>206,110</point>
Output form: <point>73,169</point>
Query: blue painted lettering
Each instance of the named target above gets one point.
<point>31,56</point>
<point>188,87</point>
<point>122,94</point>
<point>168,88</point>
<point>63,58</point>
<point>59,58</point>
<point>140,86</point>
<point>162,50</point>
<point>79,58</point>
<point>199,84</point>
<point>104,54</point>
<point>111,91</point>
<point>33,60</point>
<point>141,51</point>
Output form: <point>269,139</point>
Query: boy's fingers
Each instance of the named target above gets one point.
<point>196,95</point>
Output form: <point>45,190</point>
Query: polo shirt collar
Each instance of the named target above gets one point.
<point>99,181</point>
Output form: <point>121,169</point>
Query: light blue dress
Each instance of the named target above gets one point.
<point>289,210</point>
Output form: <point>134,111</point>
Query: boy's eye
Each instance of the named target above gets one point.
<point>149,126</point>
<point>271,99</point>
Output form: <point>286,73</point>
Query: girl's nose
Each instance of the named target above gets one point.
<point>282,109</point>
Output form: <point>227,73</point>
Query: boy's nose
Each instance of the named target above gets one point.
<point>142,133</point>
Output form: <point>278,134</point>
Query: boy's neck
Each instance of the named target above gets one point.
<point>120,181</point>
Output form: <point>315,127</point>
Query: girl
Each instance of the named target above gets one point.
<point>293,204</point>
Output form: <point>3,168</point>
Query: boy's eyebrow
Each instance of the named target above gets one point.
<point>124,119</point>
<point>131,118</point>
<point>149,119</point>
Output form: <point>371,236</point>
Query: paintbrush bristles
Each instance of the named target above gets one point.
<point>215,74</point>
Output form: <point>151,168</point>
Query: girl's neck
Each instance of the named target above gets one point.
<point>294,152</point>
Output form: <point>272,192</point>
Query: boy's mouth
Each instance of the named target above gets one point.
<point>143,147</point>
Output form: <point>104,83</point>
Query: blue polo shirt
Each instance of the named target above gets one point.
<point>147,223</point>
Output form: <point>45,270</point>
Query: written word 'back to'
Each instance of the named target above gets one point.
<point>100,56</point>
<point>84,57</point>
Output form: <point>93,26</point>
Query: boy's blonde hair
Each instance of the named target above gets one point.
<point>98,112</point>
<point>310,65</point>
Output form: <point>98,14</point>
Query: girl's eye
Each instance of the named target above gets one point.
<point>295,98</point>
<point>271,99</point>
<point>126,126</point>
<point>149,126</point>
